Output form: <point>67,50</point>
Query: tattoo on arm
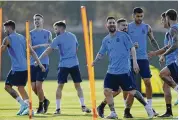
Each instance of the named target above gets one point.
<point>98,57</point>
<point>152,39</point>
<point>174,46</point>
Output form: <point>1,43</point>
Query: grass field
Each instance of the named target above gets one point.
<point>70,104</point>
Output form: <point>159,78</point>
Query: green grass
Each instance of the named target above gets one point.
<point>70,104</point>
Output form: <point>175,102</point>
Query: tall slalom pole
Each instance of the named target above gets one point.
<point>89,62</point>
<point>28,67</point>
<point>0,43</point>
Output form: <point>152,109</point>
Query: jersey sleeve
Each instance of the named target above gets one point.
<point>103,48</point>
<point>55,43</point>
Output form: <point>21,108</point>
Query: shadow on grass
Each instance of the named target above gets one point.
<point>52,115</point>
<point>8,108</point>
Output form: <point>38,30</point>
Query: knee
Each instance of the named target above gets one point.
<point>38,86</point>
<point>60,87</point>
<point>131,93</point>
<point>20,88</point>
<point>7,87</point>
<point>33,88</point>
<point>162,74</point>
<point>107,92</point>
<point>78,86</point>
<point>147,83</point>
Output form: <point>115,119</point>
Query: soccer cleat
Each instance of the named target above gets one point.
<point>100,111</point>
<point>40,110</point>
<point>155,113</point>
<point>167,114</point>
<point>113,115</point>
<point>22,108</point>
<point>85,109</point>
<point>176,103</point>
<point>128,115</point>
<point>46,104</point>
<point>57,111</point>
<point>26,112</point>
<point>149,111</point>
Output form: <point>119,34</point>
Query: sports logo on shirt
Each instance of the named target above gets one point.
<point>117,40</point>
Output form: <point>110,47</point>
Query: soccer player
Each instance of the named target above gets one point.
<point>121,26</point>
<point>40,40</point>
<point>169,59</point>
<point>69,64</point>
<point>16,45</point>
<point>118,46</point>
<point>170,72</point>
<point>139,31</point>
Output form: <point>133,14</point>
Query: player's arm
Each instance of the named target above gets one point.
<point>50,38</point>
<point>101,53</point>
<point>152,39</point>
<point>98,58</point>
<point>174,46</point>
<point>129,46</point>
<point>158,52</point>
<point>5,44</point>
<point>53,46</point>
<point>46,53</point>
<point>134,57</point>
<point>34,55</point>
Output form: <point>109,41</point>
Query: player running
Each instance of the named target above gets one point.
<point>170,72</point>
<point>40,40</point>
<point>67,44</point>
<point>16,45</point>
<point>118,46</point>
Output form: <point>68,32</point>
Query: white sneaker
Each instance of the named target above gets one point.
<point>149,111</point>
<point>22,108</point>
<point>113,115</point>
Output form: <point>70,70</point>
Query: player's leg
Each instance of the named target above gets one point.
<point>165,75</point>
<point>141,99</point>
<point>110,83</point>
<point>62,79</point>
<point>76,76</point>
<point>58,98</point>
<point>146,75</point>
<point>127,85</point>
<point>33,78</point>
<point>168,100</point>
<point>100,108</point>
<point>23,94</point>
<point>16,79</point>
<point>43,101</point>
<point>128,99</point>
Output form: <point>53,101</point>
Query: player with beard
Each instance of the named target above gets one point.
<point>118,46</point>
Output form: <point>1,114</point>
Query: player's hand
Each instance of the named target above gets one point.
<point>35,63</point>
<point>136,45</point>
<point>92,65</point>
<point>162,59</point>
<point>151,54</point>
<point>42,67</point>
<point>136,67</point>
